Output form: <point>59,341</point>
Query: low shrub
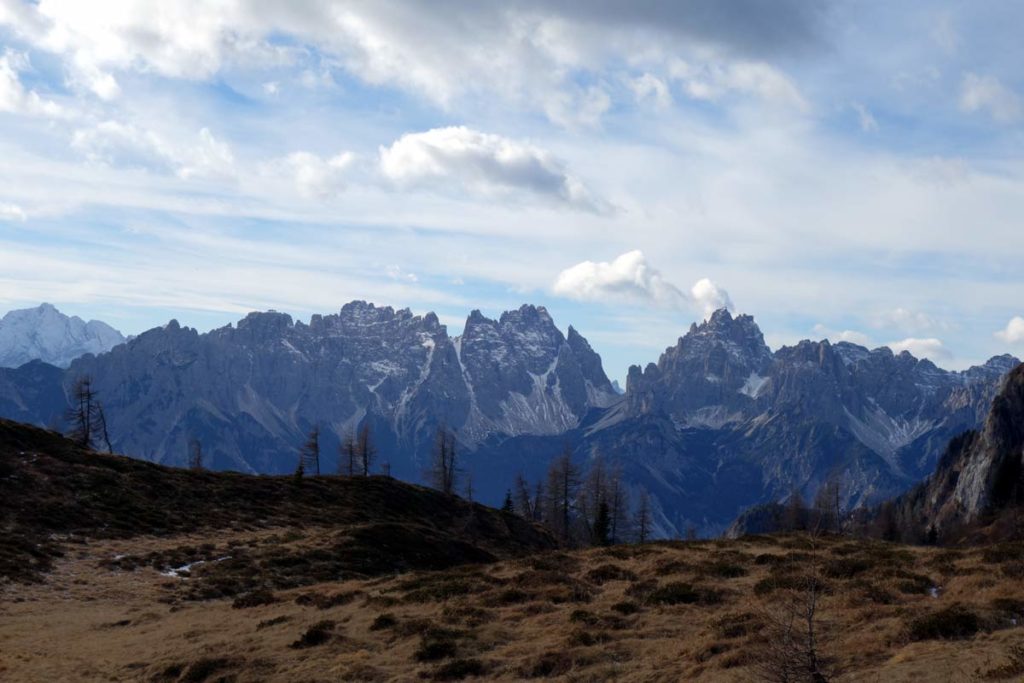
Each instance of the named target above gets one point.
<point>724,570</point>
<point>549,665</point>
<point>610,572</point>
<point>256,598</point>
<point>845,567</point>
<point>457,669</point>
<point>436,644</point>
<point>626,607</point>
<point>384,621</point>
<point>678,593</point>
<point>953,623</point>
<point>317,634</point>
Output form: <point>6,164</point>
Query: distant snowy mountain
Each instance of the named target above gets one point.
<point>44,333</point>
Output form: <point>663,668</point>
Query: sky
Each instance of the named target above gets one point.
<point>847,170</point>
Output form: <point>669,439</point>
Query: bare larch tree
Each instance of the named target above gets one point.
<point>310,453</point>
<point>443,471</point>
<point>366,451</point>
<point>86,420</point>
<point>195,454</point>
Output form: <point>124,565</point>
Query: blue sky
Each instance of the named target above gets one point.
<point>844,170</point>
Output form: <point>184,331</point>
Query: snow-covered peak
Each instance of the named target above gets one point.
<point>44,333</point>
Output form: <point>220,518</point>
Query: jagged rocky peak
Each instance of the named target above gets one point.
<point>44,333</point>
<point>979,478</point>
<point>264,323</point>
<point>526,375</point>
<point>716,367</point>
<point>992,474</point>
<point>590,363</point>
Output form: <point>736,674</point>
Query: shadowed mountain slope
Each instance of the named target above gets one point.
<point>52,492</point>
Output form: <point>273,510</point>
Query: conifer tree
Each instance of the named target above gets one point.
<point>349,454</point>
<point>366,451</point>
<point>195,454</point>
<point>643,518</point>
<point>309,455</point>
<point>444,467</point>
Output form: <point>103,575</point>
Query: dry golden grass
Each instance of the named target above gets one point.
<point>659,612</point>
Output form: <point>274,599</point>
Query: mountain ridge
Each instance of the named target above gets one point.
<point>718,424</point>
<point>44,333</point>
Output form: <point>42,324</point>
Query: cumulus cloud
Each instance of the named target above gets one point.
<point>124,144</point>
<point>852,336</point>
<point>712,81</point>
<point>709,297</point>
<point>526,51</point>
<point>1013,333</point>
<point>14,98</point>
<point>316,177</point>
<point>12,212</point>
<point>931,348</point>
<point>650,88</point>
<point>867,121</point>
<point>630,277</point>
<point>910,321</point>
<point>396,272</point>
<point>987,93</point>
<point>483,164</point>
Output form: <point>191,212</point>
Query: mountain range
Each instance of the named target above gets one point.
<point>979,481</point>
<point>44,333</point>
<point>718,424</point>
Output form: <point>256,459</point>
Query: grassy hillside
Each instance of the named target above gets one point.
<point>705,611</point>
<point>54,496</point>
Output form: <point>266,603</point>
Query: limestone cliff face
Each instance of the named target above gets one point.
<point>250,391</point>
<point>981,473</point>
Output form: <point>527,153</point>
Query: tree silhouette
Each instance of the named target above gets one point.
<point>444,464</point>
<point>195,454</point>
<point>310,451</point>
<point>366,451</point>
<point>349,452</point>
<point>643,518</point>
<point>86,419</point>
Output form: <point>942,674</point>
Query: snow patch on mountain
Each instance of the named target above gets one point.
<point>44,333</point>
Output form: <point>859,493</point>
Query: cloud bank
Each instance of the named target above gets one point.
<point>931,348</point>
<point>1013,333</point>
<point>483,164</point>
<point>629,277</point>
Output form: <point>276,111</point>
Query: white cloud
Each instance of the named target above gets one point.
<point>867,121</point>
<point>629,277</point>
<point>317,177</point>
<point>852,336</point>
<point>14,98</point>
<point>398,273</point>
<point>12,212</point>
<point>574,107</point>
<point>909,321</point>
<point>121,144</point>
<point>481,163</point>
<point>931,348</point>
<point>1013,333</point>
<point>650,88</point>
<point>986,93</point>
<point>525,52</point>
<point>709,297</point>
<point>944,33</point>
<point>712,81</point>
